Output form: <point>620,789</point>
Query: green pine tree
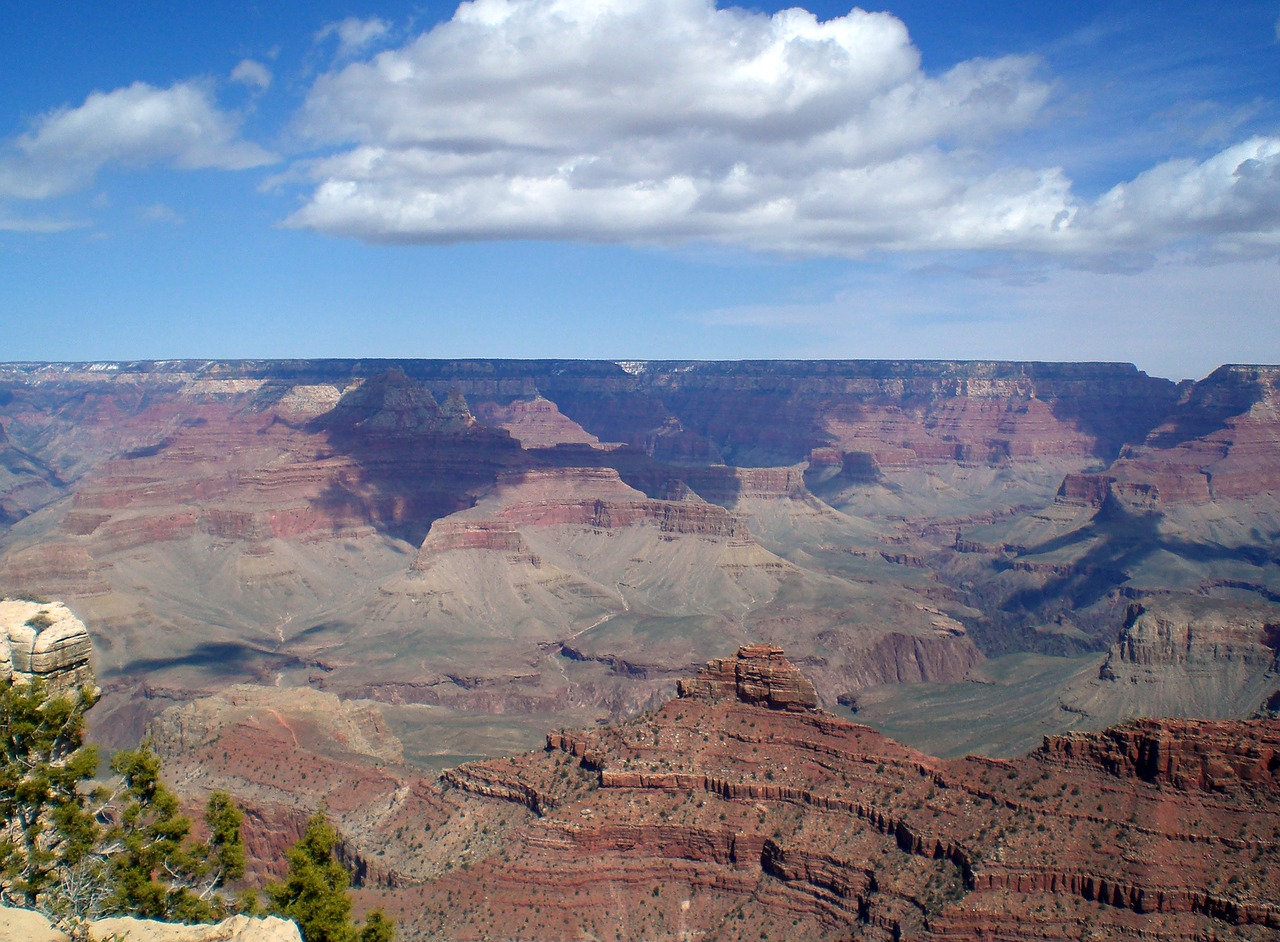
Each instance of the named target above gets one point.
<point>157,870</point>
<point>148,870</point>
<point>76,853</point>
<point>225,849</point>
<point>45,826</point>
<point>314,891</point>
<point>378,928</point>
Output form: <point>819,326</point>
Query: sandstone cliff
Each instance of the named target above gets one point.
<point>44,640</point>
<point>1191,657</point>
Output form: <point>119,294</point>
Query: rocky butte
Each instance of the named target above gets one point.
<point>759,674</point>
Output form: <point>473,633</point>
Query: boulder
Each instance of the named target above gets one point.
<point>44,640</point>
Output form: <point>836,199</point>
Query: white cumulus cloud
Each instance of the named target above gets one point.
<point>134,126</point>
<point>252,72</point>
<point>668,119</point>
<point>1233,196</point>
<point>671,120</point>
<point>354,35</point>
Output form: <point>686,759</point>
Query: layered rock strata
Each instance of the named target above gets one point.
<point>1192,657</point>
<point>511,536</point>
<point>719,816</point>
<point>758,674</point>
<point>45,641</point>
<point>1218,444</point>
<point>1194,756</point>
<point>283,752</point>
<point>744,411</point>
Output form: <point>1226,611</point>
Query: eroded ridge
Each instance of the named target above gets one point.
<point>737,811</point>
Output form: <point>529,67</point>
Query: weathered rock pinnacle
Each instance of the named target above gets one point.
<point>758,674</point>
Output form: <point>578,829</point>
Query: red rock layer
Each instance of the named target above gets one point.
<point>972,430</point>
<point>668,516</point>
<point>591,498</point>
<point>1222,443</point>
<point>535,423</point>
<point>1185,755</point>
<point>775,413</point>
<point>714,816</point>
<point>246,467</point>
<point>35,570</point>
<point>726,486</point>
<point>758,674</point>
<point>283,754</point>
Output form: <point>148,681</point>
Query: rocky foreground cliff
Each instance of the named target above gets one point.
<point>738,813</point>
<point>740,810</point>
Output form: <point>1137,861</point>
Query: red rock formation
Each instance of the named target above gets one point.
<point>535,423</point>
<point>1087,490</point>
<point>453,534</point>
<point>676,517</point>
<point>773,413</point>
<point>54,565</point>
<point>1186,755</point>
<point>721,814</point>
<point>285,752</point>
<point>716,816</point>
<point>1221,443</point>
<point>726,486</point>
<point>247,518</point>
<point>591,498</point>
<point>758,674</point>
<point>492,780</point>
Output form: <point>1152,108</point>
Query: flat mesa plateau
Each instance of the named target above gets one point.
<point>1056,586</point>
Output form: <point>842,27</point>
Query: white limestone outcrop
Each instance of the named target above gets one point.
<point>45,640</point>
<point>21,925</point>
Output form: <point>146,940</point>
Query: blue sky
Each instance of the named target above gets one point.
<point>642,179</point>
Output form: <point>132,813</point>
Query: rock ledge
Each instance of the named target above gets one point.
<point>33,927</point>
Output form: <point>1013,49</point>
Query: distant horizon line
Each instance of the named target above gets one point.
<point>629,365</point>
